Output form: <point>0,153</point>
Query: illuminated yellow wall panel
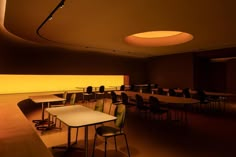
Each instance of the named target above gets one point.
<point>46,83</point>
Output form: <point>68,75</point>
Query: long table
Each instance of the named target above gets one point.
<point>164,99</point>
<point>79,116</point>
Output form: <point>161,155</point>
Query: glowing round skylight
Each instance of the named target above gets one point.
<point>158,38</point>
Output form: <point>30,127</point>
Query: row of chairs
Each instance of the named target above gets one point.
<point>171,92</point>
<point>88,94</point>
<point>152,105</point>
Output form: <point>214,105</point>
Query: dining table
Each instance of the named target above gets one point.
<point>76,116</point>
<point>44,100</point>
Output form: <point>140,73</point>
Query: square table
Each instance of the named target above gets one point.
<point>44,99</point>
<point>79,116</point>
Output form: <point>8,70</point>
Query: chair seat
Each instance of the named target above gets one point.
<point>107,131</point>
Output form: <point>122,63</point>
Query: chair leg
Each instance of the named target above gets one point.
<point>94,142</point>
<point>115,143</point>
<point>127,145</point>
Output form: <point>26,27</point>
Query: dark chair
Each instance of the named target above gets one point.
<point>155,85</point>
<point>114,100</point>
<point>204,102</point>
<point>100,93</point>
<point>122,88</point>
<point>186,93</point>
<point>88,93</point>
<point>148,89</point>
<point>109,131</point>
<point>132,87</point>
<point>125,100</point>
<point>140,104</point>
<point>160,91</point>
<point>156,109</point>
<point>172,92</point>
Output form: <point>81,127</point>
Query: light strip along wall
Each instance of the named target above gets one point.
<point>46,83</point>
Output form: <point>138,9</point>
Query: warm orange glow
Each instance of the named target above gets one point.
<point>156,34</point>
<point>158,38</point>
<point>45,83</point>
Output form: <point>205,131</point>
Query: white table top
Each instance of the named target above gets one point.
<point>78,115</point>
<point>45,98</point>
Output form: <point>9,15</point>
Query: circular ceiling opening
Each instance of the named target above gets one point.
<point>158,38</point>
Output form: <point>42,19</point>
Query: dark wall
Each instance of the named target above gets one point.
<point>215,76</point>
<point>209,75</point>
<point>231,76</point>
<point>172,71</point>
<point>201,73</point>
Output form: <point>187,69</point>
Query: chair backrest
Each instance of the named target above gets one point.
<point>139,100</point>
<point>64,96</point>
<point>120,114</point>
<point>148,88</point>
<point>172,92</point>
<point>101,89</point>
<point>99,106</point>
<point>124,98</point>
<point>160,91</point>
<point>132,87</point>
<point>122,88</point>
<point>201,96</point>
<point>113,97</point>
<point>89,89</point>
<point>186,93</point>
<point>73,98</point>
<point>155,85</point>
<point>154,103</point>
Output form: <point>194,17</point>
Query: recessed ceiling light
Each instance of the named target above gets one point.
<point>158,38</point>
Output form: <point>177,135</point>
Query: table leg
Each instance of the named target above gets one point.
<point>42,112</point>
<point>50,124</point>
<point>186,113</point>
<point>42,120</point>
<point>68,140</point>
<point>86,141</point>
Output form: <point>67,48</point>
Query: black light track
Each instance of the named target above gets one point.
<point>61,4</point>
